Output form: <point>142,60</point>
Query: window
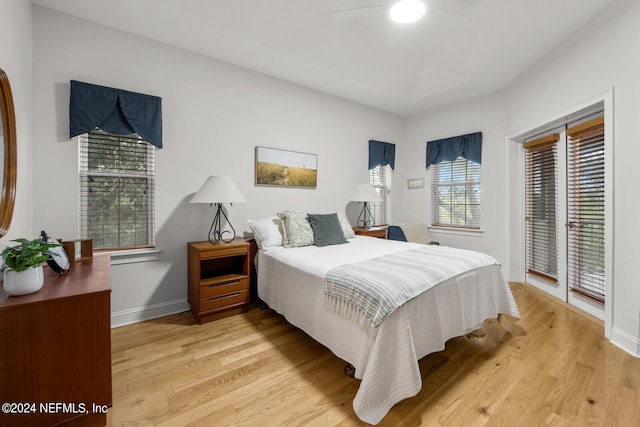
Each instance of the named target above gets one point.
<point>116,190</point>
<point>455,187</point>
<point>542,207</point>
<point>380,178</point>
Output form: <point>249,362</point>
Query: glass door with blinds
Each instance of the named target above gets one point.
<point>586,209</point>
<point>542,207</point>
<point>565,213</point>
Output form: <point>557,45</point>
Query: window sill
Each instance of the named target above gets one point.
<point>134,256</point>
<point>476,232</point>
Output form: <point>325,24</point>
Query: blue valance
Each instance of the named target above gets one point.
<point>381,153</point>
<point>115,111</point>
<point>468,146</point>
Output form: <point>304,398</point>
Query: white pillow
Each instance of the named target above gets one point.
<point>416,232</point>
<point>267,232</point>
<point>346,227</point>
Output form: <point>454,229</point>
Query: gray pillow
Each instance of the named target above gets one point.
<point>326,229</point>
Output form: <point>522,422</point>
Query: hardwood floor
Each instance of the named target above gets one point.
<point>551,367</point>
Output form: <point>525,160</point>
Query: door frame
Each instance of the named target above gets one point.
<point>519,245</point>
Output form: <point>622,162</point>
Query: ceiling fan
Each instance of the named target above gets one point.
<point>402,11</point>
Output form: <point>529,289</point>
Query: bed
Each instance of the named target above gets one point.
<point>292,281</point>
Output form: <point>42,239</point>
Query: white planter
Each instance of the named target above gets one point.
<point>23,282</point>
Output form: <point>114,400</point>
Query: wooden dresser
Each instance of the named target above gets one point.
<point>55,349</point>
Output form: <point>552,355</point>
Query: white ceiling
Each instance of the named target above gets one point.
<point>462,48</point>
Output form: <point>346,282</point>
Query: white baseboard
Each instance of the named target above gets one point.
<point>139,314</point>
<point>628,343</point>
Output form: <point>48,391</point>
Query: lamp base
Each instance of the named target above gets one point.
<point>215,232</point>
<point>365,219</point>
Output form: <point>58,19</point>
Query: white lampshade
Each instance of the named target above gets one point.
<point>406,11</point>
<point>365,193</point>
<point>218,189</point>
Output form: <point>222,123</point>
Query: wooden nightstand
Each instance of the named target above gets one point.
<point>218,279</point>
<point>380,232</point>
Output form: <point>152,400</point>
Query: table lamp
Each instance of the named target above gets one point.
<point>365,193</point>
<point>219,190</point>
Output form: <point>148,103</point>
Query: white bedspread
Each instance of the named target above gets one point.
<point>291,281</point>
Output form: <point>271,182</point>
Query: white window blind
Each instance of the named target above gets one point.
<point>116,190</point>
<point>542,207</point>
<point>380,178</point>
<point>585,208</point>
<point>455,194</point>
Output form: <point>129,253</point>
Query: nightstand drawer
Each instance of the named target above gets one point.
<point>225,301</point>
<point>224,252</point>
<point>214,290</point>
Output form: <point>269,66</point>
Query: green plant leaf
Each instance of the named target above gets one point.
<point>27,254</point>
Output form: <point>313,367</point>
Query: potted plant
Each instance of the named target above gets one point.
<point>22,266</point>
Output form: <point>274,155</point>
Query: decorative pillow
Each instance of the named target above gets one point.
<point>395,233</point>
<point>416,232</point>
<point>326,229</point>
<point>267,232</point>
<point>346,227</point>
<point>296,229</point>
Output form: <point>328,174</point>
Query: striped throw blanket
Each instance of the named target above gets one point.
<point>367,292</point>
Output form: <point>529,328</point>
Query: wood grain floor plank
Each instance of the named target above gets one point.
<point>551,367</point>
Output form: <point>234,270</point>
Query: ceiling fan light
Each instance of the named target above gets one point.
<point>406,11</point>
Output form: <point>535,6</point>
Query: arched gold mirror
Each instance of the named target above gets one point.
<point>8,145</point>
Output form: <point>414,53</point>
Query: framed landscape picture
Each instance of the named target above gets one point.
<point>275,167</point>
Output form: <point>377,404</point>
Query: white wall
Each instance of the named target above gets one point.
<point>214,116</point>
<point>15,60</point>
<point>479,114</point>
<point>603,55</point>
